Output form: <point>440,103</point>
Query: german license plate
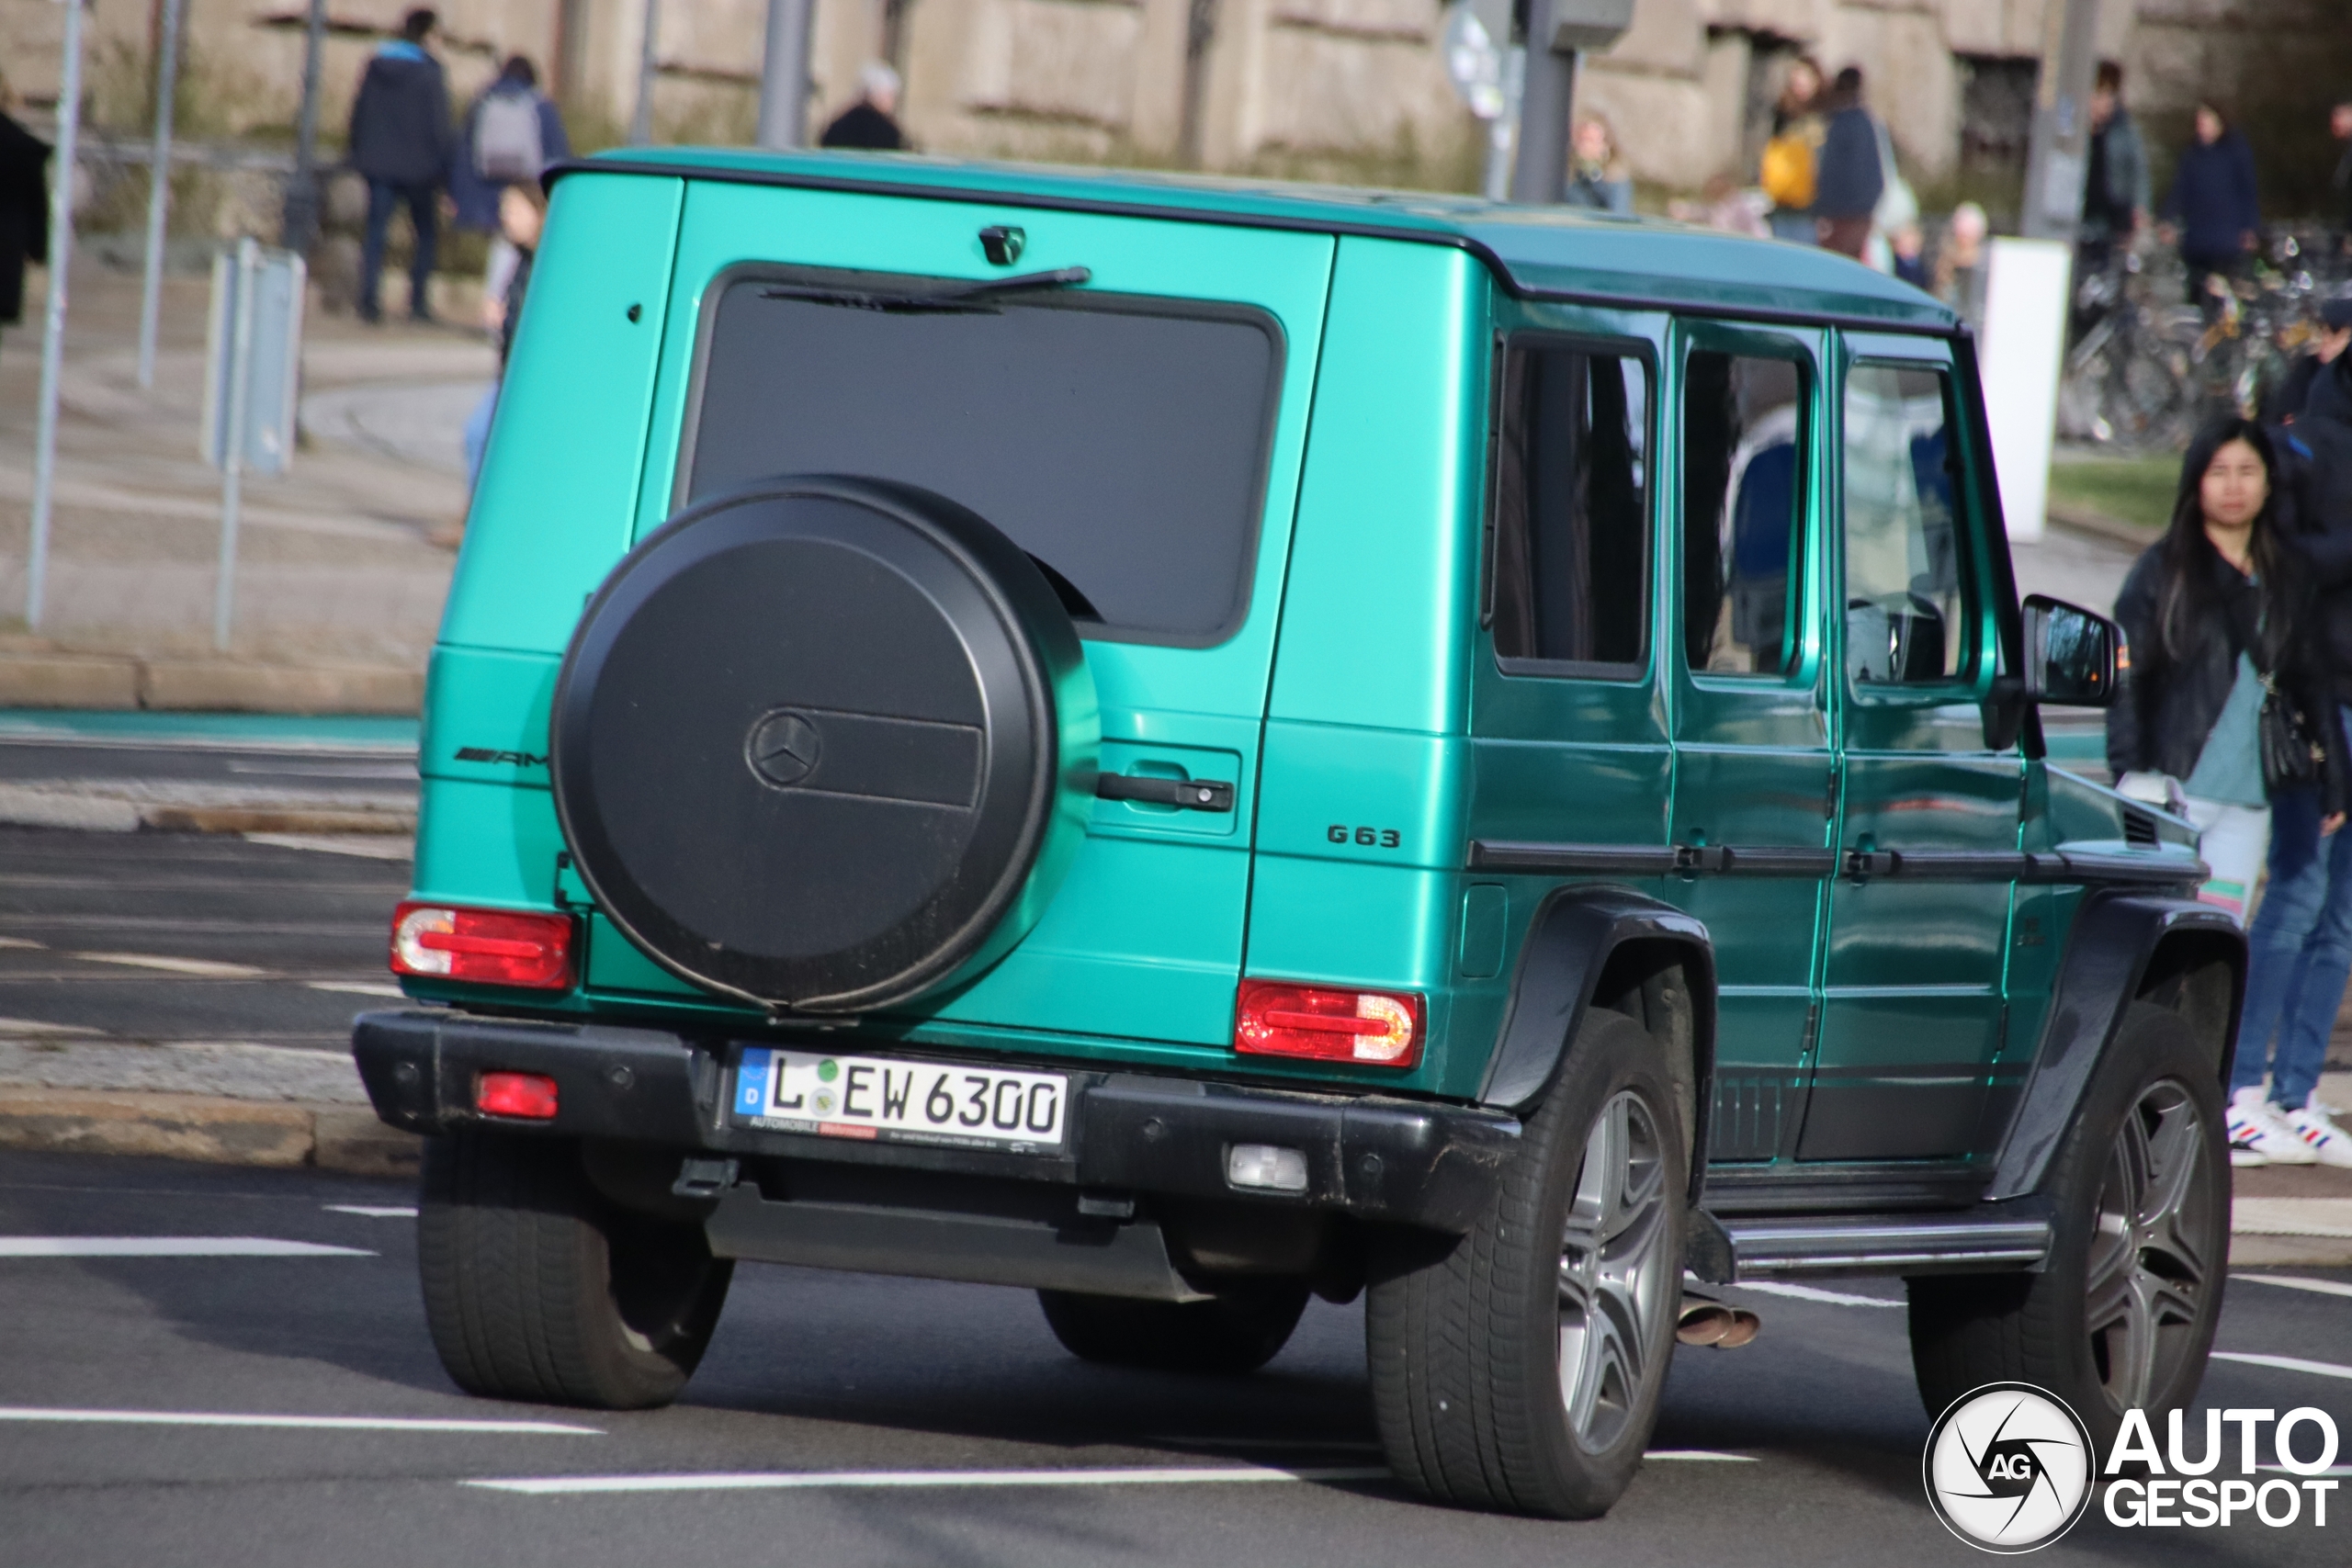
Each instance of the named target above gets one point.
<point>901,1101</point>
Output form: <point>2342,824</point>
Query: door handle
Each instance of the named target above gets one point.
<point>1190,794</point>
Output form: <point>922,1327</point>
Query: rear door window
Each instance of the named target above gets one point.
<point>1123,442</point>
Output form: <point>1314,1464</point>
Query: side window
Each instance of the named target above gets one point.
<point>1743,448</point>
<point>1906,601</point>
<point>1571,550</point>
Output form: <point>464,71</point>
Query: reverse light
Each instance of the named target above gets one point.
<point>1267,1168</point>
<point>489,947</point>
<point>1325,1024</point>
<point>530,1096</point>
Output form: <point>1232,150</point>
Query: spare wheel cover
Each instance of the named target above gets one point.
<point>824,743</point>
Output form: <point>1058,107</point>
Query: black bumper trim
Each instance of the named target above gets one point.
<point>1411,1162</point>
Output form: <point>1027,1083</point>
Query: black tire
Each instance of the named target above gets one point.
<point>1238,1330</point>
<point>1467,1336</point>
<point>825,742</point>
<point>538,1289</point>
<point>2156,1100</point>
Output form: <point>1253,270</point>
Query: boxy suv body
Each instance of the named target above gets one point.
<point>1185,745</point>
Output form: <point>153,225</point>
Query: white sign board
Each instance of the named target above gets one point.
<point>2025,347</point>
<point>267,285</point>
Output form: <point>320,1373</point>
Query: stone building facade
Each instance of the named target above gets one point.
<point>1271,86</point>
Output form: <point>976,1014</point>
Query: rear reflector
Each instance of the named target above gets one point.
<point>527,1095</point>
<point>1323,1024</point>
<point>487,947</point>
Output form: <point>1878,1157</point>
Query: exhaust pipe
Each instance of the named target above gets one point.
<point>1708,1322</point>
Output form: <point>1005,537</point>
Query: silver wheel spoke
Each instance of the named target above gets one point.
<point>2151,1249</point>
<point>1613,1270</point>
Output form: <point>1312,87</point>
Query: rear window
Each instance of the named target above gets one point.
<point>1122,442</point>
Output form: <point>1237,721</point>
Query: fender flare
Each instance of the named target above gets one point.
<point>2114,947</point>
<point>1562,961</point>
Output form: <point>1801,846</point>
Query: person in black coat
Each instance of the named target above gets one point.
<point>401,143</point>
<point>2212,206</point>
<point>2215,612</point>
<point>869,125</point>
<point>24,205</point>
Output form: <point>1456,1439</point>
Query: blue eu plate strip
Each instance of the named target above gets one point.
<point>751,1084</point>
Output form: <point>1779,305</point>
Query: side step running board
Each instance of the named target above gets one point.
<point>1772,1246</point>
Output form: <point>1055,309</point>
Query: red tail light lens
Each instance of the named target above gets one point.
<point>1323,1024</point>
<point>489,947</point>
<point>527,1095</point>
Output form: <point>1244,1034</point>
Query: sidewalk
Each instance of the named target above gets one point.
<point>338,589</point>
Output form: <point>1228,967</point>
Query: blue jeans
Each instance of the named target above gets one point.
<point>2300,953</point>
<point>423,217</point>
<point>478,433</point>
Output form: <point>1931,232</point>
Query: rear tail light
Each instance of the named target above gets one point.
<point>527,1095</point>
<point>487,947</point>
<point>1325,1024</point>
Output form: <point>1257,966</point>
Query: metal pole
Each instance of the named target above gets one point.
<point>640,125</point>
<point>300,224</point>
<point>1538,165</point>
<point>53,347</point>
<point>159,191</point>
<point>784,75</point>
<point>1502,133</point>
<point>232,445</point>
<point>2059,150</point>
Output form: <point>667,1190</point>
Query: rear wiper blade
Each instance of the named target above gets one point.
<point>963,297</point>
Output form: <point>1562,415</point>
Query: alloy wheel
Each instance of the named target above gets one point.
<point>2154,1246</point>
<point>1616,1281</point>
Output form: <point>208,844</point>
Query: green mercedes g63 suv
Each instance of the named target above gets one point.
<point>1186,745</point>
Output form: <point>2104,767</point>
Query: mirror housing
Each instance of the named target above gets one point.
<point>2073,657</point>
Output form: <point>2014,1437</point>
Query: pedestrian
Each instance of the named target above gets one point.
<point>2300,948</point>
<point>1596,177</point>
<point>1959,262</point>
<point>2219,615</point>
<point>2339,124</point>
<point>1908,248</point>
<point>1790,170</point>
<point>511,132</point>
<point>400,141</point>
<point>2116,192</point>
<point>2212,206</point>
<point>522,214</point>
<point>870,125</point>
<point>1853,172</point>
<point>24,205</point>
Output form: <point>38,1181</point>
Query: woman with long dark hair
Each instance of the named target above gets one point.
<point>2220,619</point>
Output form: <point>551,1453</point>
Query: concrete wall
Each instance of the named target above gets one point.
<point>1278,84</point>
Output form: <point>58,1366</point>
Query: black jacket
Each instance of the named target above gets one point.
<point>401,131</point>
<point>2168,705</point>
<point>2213,198</point>
<point>24,211</point>
<point>1851,177</point>
<point>865,128</point>
<point>2325,430</point>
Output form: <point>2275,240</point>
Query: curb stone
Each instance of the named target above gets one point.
<point>117,682</point>
<point>208,1129</point>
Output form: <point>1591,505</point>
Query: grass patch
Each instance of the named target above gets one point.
<point>2130,490</point>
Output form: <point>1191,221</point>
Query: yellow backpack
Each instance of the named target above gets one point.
<point>1789,173</point>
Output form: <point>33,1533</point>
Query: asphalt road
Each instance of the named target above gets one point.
<point>860,1406</point>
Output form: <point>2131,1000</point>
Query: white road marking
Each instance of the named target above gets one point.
<point>357,988</point>
<point>1815,1294</point>
<point>20,1027</point>
<point>372,1211</point>
<point>2286,1363</point>
<point>300,1423</point>
<point>368,846</point>
<point>777,1480</point>
<point>20,941</point>
<point>1708,1455</point>
<point>1318,1443</point>
<point>203,968</point>
<point>168,1246</point>
<point>2324,1287</point>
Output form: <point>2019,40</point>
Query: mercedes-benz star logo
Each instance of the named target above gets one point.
<point>783,747</point>
<point>2009,1468</point>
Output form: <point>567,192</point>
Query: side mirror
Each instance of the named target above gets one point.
<point>2072,656</point>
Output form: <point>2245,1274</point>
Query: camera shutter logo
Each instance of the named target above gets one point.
<point>2009,1468</point>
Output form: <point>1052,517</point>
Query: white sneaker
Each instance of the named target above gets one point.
<point>2261,1134</point>
<point>2315,1124</point>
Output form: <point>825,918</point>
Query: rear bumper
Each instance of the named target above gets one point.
<point>1407,1162</point>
